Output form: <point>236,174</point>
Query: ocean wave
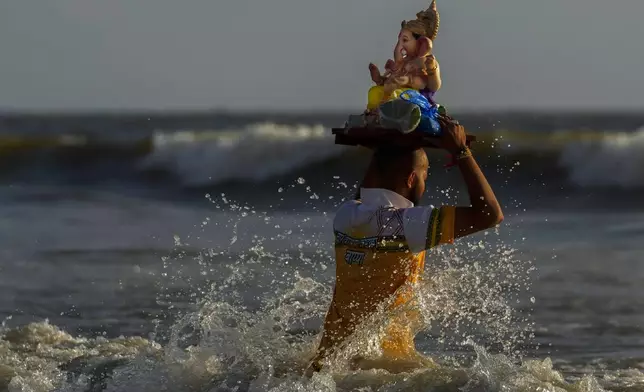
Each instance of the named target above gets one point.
<point>615,160</point>
<point>262,152</point>
<point>255,153</point>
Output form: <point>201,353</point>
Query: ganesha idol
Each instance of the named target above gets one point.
<point>403,96</point>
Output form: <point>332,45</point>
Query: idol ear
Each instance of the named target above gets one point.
<point>425,46</point>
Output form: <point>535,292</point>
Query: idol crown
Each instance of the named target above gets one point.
<point>426,23</point>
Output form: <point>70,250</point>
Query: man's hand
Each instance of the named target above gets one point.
<point>453,138</point>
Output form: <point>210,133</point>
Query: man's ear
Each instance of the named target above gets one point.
<point>411,179</point>
<point>425,46</point>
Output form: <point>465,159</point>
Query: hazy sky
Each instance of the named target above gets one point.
<point>313,54</point>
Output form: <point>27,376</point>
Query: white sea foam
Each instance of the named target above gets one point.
<point>255,153</point>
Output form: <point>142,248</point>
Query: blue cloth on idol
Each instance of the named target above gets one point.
<point>429,111</point>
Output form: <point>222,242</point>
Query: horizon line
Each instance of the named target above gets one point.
<point>299,112</point>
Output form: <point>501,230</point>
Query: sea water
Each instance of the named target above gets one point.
<point>145,270</point>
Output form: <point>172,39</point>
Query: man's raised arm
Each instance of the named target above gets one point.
<point>484,211</point>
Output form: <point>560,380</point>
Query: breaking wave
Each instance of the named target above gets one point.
<point>256,153</point>
<point>265,151</point>
<point>616,160</point>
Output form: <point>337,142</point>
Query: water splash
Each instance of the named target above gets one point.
<point>252,323</point>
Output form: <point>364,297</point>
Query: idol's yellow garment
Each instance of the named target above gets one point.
<point>376,96</point>
<point>380,245</point>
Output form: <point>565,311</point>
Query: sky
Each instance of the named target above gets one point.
<point>313,55</point>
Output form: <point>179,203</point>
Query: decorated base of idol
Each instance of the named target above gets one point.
<point>405,112</point>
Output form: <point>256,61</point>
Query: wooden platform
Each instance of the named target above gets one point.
<point>374,136</point>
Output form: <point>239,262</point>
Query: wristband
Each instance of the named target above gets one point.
<point>464,153</point>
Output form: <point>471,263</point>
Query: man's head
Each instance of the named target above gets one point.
<point>401,170</point>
